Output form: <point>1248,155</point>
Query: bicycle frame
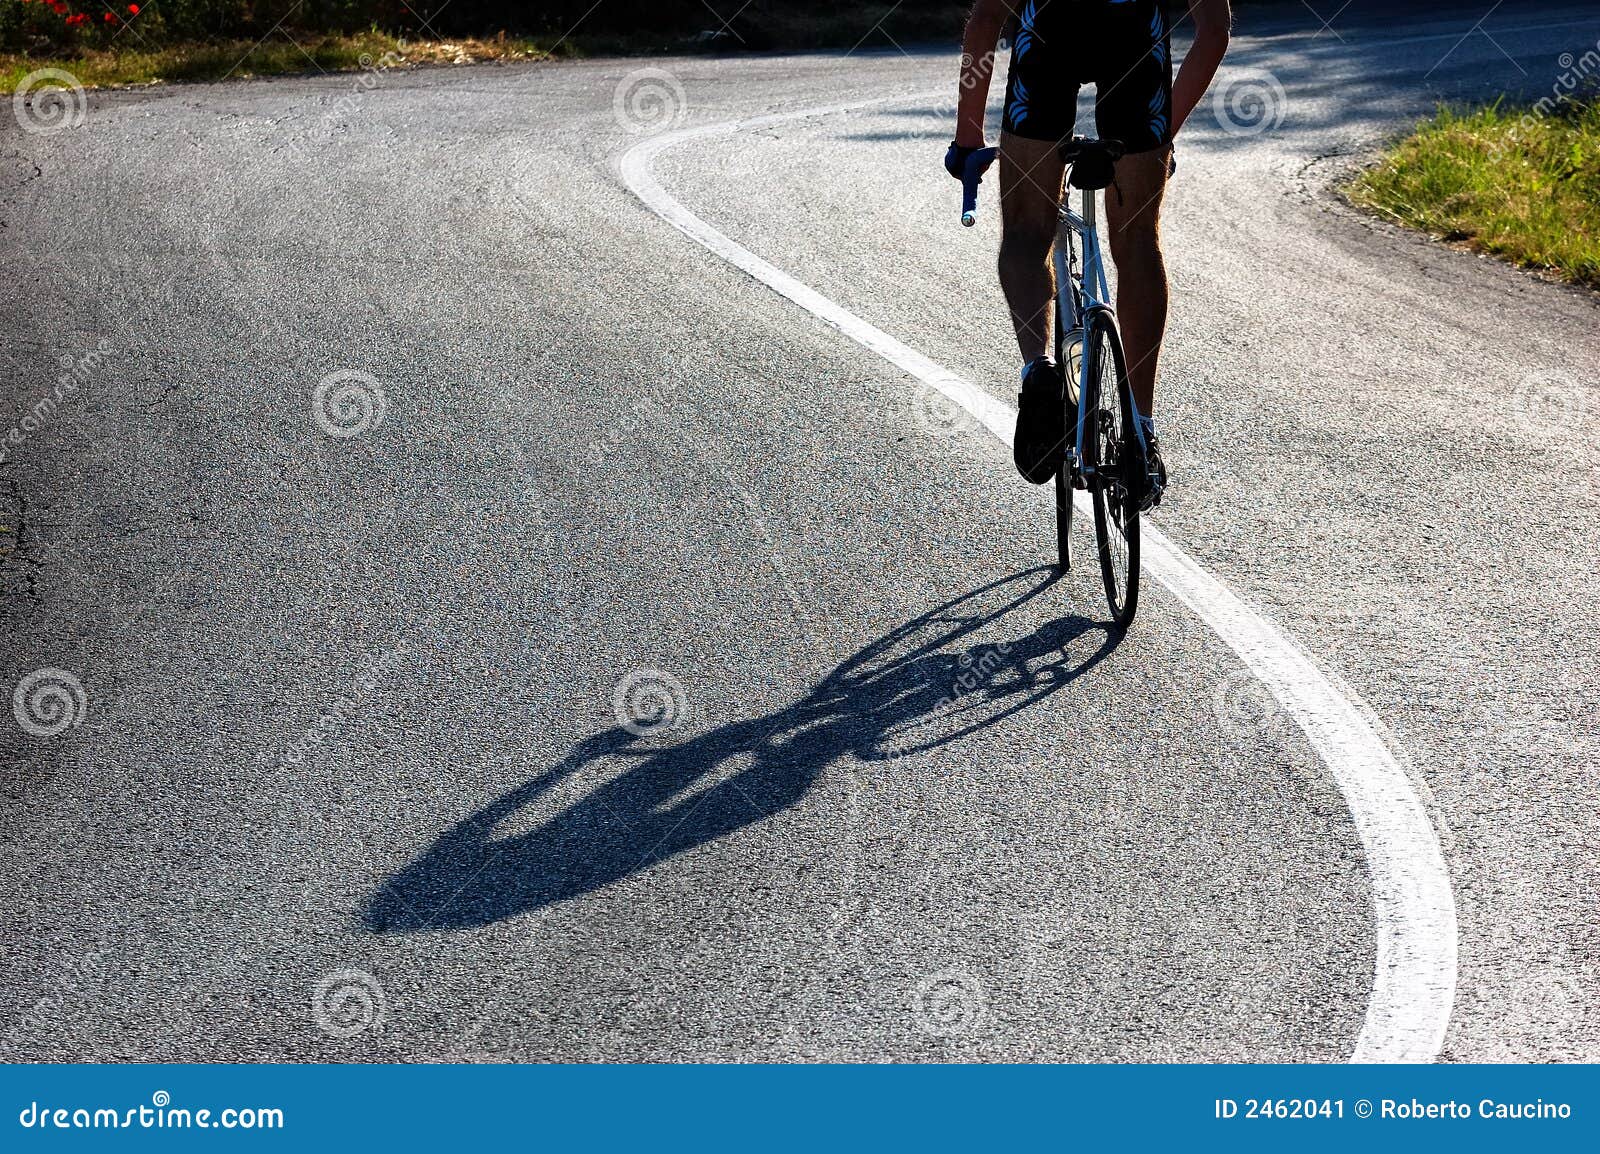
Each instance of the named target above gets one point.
<point>1079,291</point>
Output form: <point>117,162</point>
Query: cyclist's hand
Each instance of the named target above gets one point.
<point>956,157</point>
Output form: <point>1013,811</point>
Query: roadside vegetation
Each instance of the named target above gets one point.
<point>282,53</point>
<point>1519,183</point>
<point>109,42</point>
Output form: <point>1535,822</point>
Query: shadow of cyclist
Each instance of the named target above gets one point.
<point>923,685</point>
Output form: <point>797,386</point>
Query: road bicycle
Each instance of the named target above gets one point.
<point>1108,439</point>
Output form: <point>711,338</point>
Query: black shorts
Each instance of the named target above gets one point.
<point>1122,47</point>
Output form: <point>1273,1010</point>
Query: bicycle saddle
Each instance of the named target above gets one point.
<point>1093,162</point>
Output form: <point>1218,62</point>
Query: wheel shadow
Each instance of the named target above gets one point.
<point>926,684</point>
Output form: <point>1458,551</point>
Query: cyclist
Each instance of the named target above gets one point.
<point>1122,47</point>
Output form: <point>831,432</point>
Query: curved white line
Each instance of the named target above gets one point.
<point>1414,907</point>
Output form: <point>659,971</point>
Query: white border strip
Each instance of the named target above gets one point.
<point>1415,978</point>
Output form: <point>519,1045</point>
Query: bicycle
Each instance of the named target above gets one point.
<point>1108,442</point>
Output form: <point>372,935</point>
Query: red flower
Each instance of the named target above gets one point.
<point>110,17</point>
<point>133,10</point>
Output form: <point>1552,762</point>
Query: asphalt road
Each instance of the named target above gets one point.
<point>348,779</point>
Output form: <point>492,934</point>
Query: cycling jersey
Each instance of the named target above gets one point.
<point>1122,47</point>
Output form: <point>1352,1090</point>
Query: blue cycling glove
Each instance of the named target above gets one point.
<point>955,160</point>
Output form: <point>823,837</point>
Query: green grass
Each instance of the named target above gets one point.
<point>278,56</point>
<point>1520,183</point>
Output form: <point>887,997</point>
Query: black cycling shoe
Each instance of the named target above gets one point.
<point>1149,483</point>
<point>1037,449</point>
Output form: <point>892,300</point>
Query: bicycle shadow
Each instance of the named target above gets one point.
<point>924,676</point>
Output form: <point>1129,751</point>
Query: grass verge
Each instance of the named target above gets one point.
<point>1522,184</point>
<point>280,55</point>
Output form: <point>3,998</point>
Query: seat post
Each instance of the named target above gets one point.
<point>1094,277</point>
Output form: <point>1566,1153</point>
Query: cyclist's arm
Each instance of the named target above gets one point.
<point>1212,21</point>
<point>984,25</point>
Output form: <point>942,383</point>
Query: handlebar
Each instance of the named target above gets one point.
<point>1106,152</point>
<point>977,164</point>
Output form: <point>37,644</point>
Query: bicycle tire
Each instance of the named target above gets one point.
<point>1064,477</point>
<point>1116,517</point>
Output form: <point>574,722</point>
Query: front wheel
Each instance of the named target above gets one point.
<point>1109,450</point>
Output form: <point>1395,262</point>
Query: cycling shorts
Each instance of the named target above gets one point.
<point>1122,47</point>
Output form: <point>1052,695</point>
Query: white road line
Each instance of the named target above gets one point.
<point>1415,977</point>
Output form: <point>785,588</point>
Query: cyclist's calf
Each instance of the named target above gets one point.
<point>1133,219</point>
<point>1030,197</point>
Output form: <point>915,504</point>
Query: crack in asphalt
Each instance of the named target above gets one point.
<point>17,560</point>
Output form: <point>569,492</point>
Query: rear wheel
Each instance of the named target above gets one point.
<point>1107,448</point>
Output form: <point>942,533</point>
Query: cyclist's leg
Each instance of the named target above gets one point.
<point>1030,198</point>
<point>1030,190</point>
<point>1133,220</point>
<point>1133,104</point>
<point>1041,103</point>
